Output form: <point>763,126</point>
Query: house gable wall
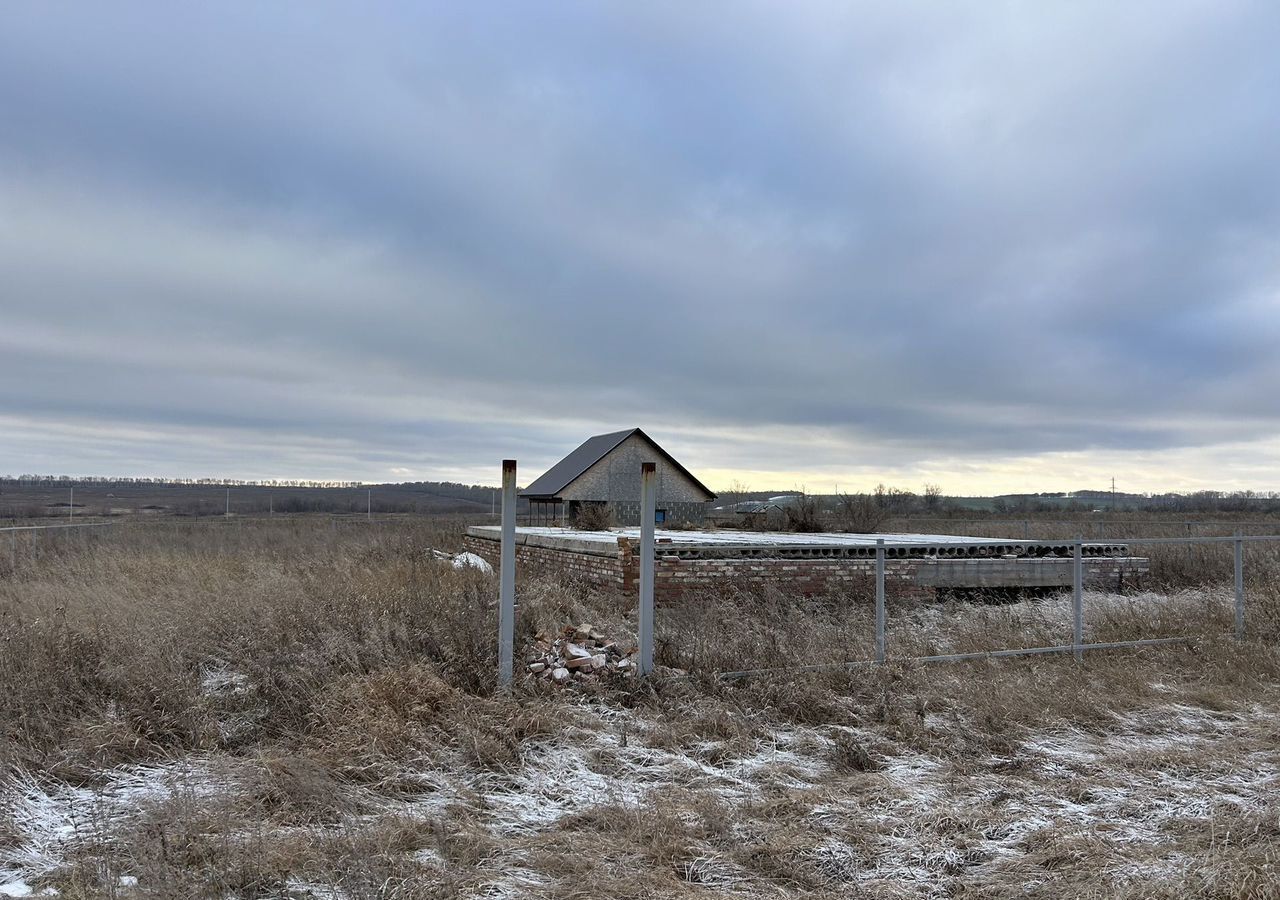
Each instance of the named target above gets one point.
<point>616,477</point>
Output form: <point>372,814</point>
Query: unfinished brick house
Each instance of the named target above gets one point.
<point>605,471</point>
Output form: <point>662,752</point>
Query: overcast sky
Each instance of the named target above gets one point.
<point>996,246</point>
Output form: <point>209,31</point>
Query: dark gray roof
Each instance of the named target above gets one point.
<point>590,452</point>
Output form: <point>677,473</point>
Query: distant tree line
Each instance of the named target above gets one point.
<point>128,481</point>
<point>869,512</point>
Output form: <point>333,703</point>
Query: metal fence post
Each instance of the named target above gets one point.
<point>507,576</point>
<point>648,512</point>
<point>880,648</point>
<point>1077,597</point>
<point>1239,588</point>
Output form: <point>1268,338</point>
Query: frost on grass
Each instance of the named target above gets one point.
<point>918,825</point>
<point>1124,792</point>
<point>51,821</point>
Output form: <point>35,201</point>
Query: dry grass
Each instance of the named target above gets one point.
<point>295,710</point>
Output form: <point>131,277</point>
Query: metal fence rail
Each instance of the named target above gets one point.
<point>32,533</point>
<point>955,657</point>
<point>50,527</point>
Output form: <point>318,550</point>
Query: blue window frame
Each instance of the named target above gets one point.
<point>659,516</point>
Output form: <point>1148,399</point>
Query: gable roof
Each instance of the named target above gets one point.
<point>590,452</point>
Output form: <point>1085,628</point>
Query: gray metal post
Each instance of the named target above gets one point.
<point>880,617</point>
<point>507,576</point>
<point>648,512</point>
<point>72,505</point>
<point>369,509</point>
<point>1077,597</point>
<point>227,514</point>
<point>1239,588</point>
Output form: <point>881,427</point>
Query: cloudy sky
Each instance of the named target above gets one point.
<point>996,246</point>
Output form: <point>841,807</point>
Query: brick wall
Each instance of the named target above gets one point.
<point>922,578</point>
<point>602,570</point>
<point>916,577</point>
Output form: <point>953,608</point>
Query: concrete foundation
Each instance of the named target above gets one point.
<point>923,565</point>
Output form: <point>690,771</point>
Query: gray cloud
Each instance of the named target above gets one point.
<point>311,239</point>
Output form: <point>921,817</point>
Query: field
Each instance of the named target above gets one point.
<point>305,707</point>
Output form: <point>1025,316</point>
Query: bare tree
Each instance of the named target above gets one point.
<point>736,493</point>
<point>932,497</point>
<point>802,514</point>
<point>861,513</point>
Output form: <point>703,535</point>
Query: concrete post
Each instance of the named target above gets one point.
<point>880,615</point>
<point>507,576</point>
<point>648,512</point>
<point>1077,597</point>
<point>1239,588</point>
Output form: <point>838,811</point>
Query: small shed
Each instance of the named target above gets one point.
<point>605,470</point>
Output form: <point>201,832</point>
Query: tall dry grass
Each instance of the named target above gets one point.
<point>330,672</point>
<point>142,641</point>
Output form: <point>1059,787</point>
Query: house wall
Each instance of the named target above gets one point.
<point>615,479</point>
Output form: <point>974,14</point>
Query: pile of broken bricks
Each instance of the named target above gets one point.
<point>578,654</point>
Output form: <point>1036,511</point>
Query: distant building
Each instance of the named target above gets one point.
<point>605,471</point>
<point>768,513</point>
